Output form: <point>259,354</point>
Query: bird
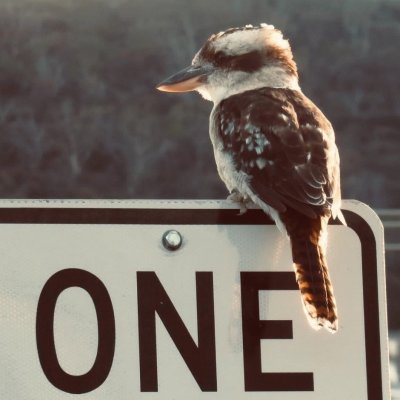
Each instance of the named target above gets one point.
<point>273,147</point>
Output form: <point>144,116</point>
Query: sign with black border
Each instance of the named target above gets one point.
<point>359,219</point>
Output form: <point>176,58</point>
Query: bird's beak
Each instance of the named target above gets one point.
<point>186,80</point>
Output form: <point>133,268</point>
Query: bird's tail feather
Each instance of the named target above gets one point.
<point>312,275</point>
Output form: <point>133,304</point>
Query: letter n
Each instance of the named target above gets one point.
<point>200,358</point>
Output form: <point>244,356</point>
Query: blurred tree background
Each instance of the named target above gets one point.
<point>80,118</point>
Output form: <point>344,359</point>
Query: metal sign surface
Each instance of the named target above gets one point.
<point>93,306</point>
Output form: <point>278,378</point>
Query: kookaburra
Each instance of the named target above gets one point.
<point>273,147</point>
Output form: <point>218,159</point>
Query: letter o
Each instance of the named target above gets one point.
<point>91,380</point>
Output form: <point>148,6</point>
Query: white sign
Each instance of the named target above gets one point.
<point>93,306</point>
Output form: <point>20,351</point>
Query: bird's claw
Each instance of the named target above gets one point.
<point>236,198</point>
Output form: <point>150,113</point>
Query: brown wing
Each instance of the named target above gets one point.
<point>283,142</point>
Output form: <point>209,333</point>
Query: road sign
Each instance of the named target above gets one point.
<point>181,300</point>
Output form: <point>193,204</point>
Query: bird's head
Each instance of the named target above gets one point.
<point>237,60</point>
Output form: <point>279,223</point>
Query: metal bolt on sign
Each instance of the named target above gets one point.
<point>172,240</point>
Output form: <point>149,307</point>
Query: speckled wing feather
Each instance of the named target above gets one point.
<point>285,146</point>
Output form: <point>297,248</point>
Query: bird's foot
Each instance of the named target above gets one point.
<point>237,198</point>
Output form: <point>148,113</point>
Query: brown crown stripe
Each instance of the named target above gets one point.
<point>248,62</point>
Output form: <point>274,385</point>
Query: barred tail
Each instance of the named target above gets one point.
<point>307,238</point>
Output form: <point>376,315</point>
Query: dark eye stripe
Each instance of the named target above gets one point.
<point>248,62</point>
